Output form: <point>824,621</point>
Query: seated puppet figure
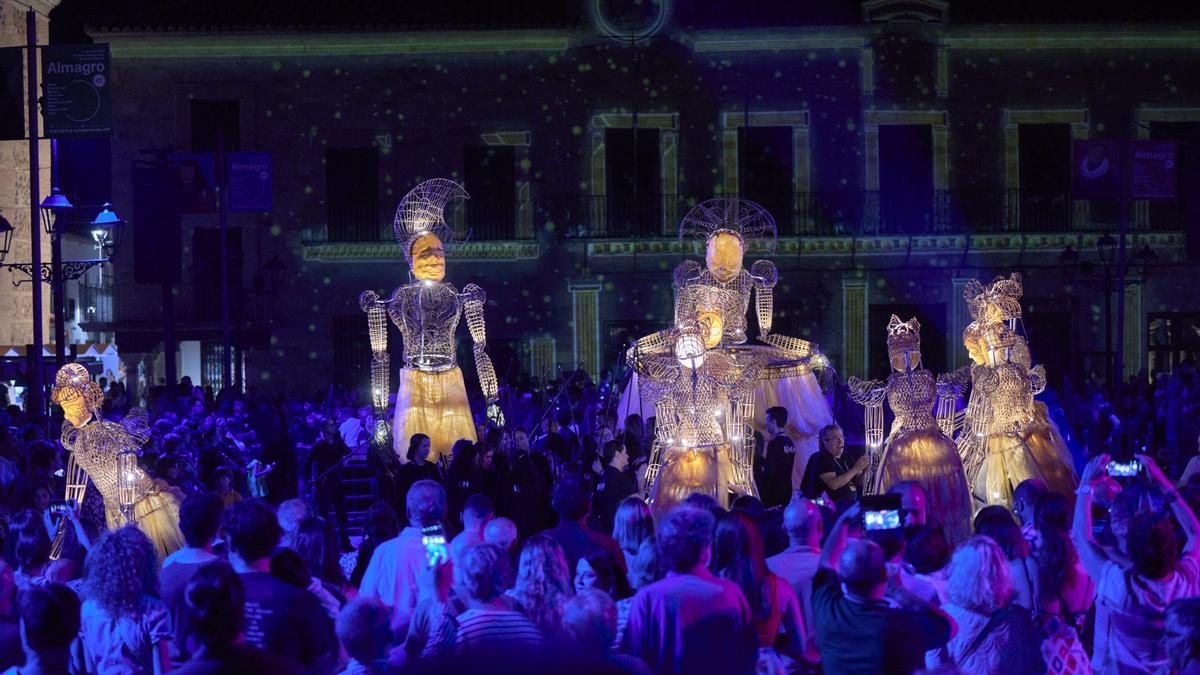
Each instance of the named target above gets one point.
<point>432,397</point>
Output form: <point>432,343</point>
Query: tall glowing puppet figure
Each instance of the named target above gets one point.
<point>727,227</point>
<point>432,397</point>
<point>1007,436</point>
<point>915,448</point>
<point>107,453</point>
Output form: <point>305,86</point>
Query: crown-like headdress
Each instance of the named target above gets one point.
<point>999,301</point>
<point>1000,336</point>
<point>422,211</point>
<point>903,336</point>
<point>742,218</point>
<point>74,381</point>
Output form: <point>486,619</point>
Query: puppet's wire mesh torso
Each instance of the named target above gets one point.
<point>427,315</point>
<point>94,449</point>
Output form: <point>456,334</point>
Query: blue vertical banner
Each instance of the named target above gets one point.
<point>249,181</point>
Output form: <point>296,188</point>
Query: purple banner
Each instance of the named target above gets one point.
<point>1096,169</point>
<point>1155,167</point>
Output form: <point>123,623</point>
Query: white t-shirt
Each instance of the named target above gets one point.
<point>391,576</point>
<point>1131,613</point>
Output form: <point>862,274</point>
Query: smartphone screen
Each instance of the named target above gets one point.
<point>880,512</point>
<point>1124,469</point>
<point>433,538</point>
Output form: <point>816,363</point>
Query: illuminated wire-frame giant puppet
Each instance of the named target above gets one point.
<point>1006,436</point>
<point>432,397</point>
<point>107,453</point>
<point>916,449</point>
<point>698,375</point>
<point>728,226</point>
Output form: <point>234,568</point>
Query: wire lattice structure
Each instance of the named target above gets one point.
<point>426,312</point>
<point>423,211</point>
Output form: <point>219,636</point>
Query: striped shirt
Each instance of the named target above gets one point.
<point>492,628</point>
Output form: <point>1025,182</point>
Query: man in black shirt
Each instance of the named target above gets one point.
<point>858,629</point>
<point>830,472</point>
<point>776,486</point>
<point>615,484</point>
<point>280,618</point>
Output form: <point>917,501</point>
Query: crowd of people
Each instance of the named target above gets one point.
<point>533,550</point>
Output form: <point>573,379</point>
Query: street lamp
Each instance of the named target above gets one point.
<point>107,227</point>
<point>6,234</point>
<point>52,208</point>
<point>1069,257</point>
<point>54,202</point>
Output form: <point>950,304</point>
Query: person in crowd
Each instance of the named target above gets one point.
<point>994,636</point>
<point>418,467</point>
<point>738,557</point>
<point>224,482</point>
<point>283,619</point>
<point>691,621</point>
<point>392,573</point>
<point>927,555</point>
<point>1054,580</point>
<point>380,525</point>
<point>616,483</point>
<point>893,544</point>
<point>199,520</point>
<point>1131,602</point>
<point>589,626</point>
<point>317,544</point>
<point>914,509</point>
<point>49,625</point>
<point>776,489</point>
<point>363,627</point>
<point>1181,637</point>
<point>849,604</point>
<point>573,505</point>
<point>462,478</point>
<point>28,547</point>
<point>829,470</point>
<point>124,627</point>
<point>1025,496</point>
<point>11,651</point>
<point>543,583</point>
<point>523,490</point>
<point>632,525</point>
<point>502,532</point>
<point>215,603</point>
<point>597,569</point>
<point>998,524</point>
<point>804,525</point>
<point>477,512</point>
<point>291,513</point>
<point>433,629</point>
<point>489,623</point>
<point>643,571</point>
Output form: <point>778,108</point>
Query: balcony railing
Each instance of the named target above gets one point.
<point>873,213</point>
<point>484,222</point>
<point>95,303</point>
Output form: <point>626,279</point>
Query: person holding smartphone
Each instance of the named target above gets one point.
<point>830,471</point>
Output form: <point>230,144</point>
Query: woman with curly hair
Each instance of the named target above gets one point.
<point>124,627</point>
<point>994,635</point>
<point>543,583</point>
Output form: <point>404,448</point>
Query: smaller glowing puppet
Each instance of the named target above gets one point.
<point>915,449</point>
<point>432,397</point>
<point>107,453</point>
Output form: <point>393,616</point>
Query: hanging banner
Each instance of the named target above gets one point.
<point>12,94</point>
<point>1155,166</point>
<point>1096,169</point>
<point>249,181</point>
<point>76,93</point>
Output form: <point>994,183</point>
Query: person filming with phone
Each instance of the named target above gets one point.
<point>830,471</point>
<point>1132,596</point>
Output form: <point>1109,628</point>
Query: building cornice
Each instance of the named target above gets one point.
<point>144,45</point>
<point>885,245</point>
<point>389,252</point>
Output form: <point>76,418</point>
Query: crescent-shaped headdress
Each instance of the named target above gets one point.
<point>423,211</point>
<point>742,218</point>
